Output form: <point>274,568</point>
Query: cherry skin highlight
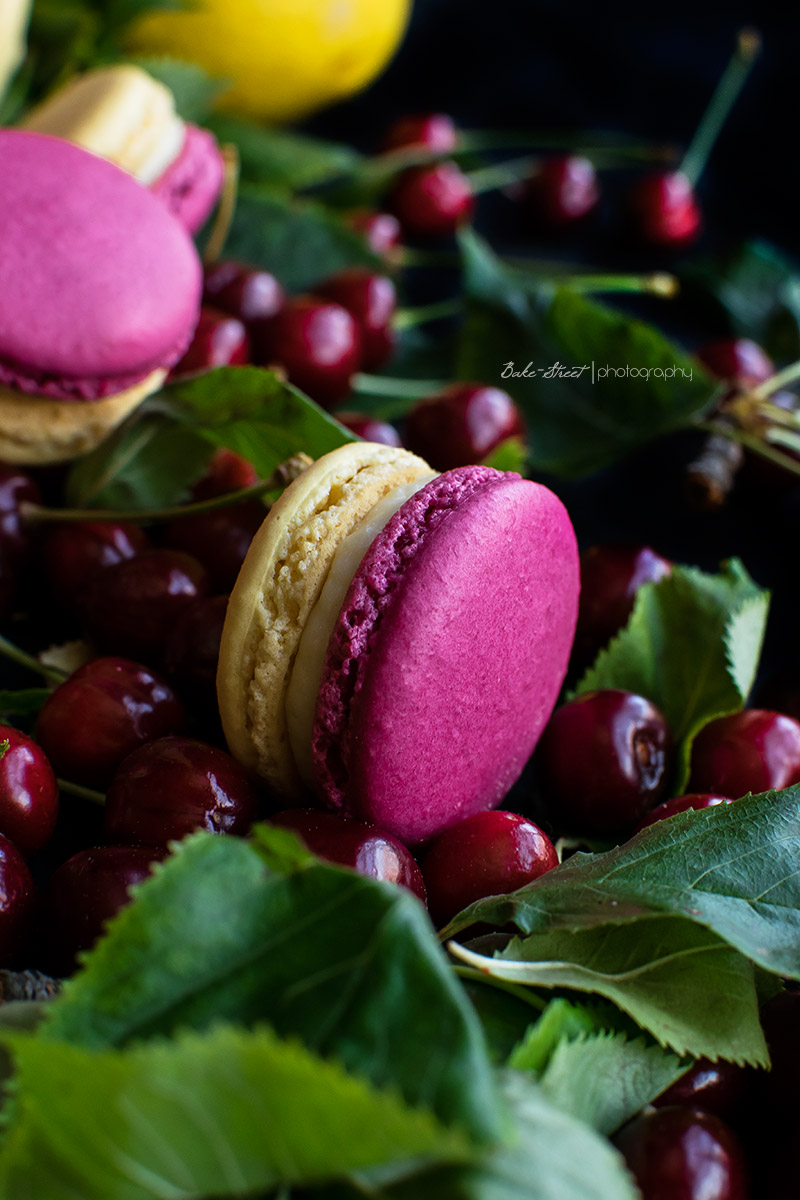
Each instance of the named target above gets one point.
<point>317,343</point>
<point>371,300</point>
<point>462,425</point>
<point>611,575</point>
<point>563,191</point>
<point>432,202</point>
<point>28,792</point>
<point>220,340</point>
<point>436,132</point>
<point>683,1154</point>
<point>73,553</point>
<point>381,231</point>
<point>739,360</point>
<point>664,210</point>
<point>749,751</point>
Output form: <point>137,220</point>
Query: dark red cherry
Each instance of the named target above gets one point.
<point>369,428</point>
<point>664,210</point>
<point>462,425</point>
<point>226,472</point>
<point>372,300</point>
<point>433,201</point>
<point>611,575</point>
<point>604,761</point>
<point>85,893</point>
<point>16,488</point>
<point>16,901</point>
<point>252,295</point>
<point>28,792</point>
<point>738,360</point>
<point>318,345</point>
<point>717,1087</point>
<point>681,804</point>
<point>130,607</point>
<point>487,854</point>
<point>381,230</point>
<point>562,191</point>
<point>168,788</point>
<point>191,652</point>
<point>749,751</point>
<point>683,1154</point>
<point>436,132</point>
<point>73,552</point>
<point>370,851</point>
<point>218,539</point>
<point>220,340</point>
<point>94,719</point>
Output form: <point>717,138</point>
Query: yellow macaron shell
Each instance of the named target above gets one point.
<point>280,582</point>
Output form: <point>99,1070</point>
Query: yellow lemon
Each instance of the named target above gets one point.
<point>285,58</point>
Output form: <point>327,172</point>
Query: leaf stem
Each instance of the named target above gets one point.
<point>226,206</point>
<point>384,385</point>
<point>407,318</point>
<point>774,384</point>
<point>499,175</point>
<point>77,789</point>
<point>657,284</point>
<point>51,674</point>
<point>722,101</point>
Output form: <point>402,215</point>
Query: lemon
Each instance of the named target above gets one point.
<point>285,58</point>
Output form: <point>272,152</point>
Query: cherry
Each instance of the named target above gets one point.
<point>381,230</point>
<point>218,539</point>
<point>372,300</point>
<point>749,751</point>
<point>226,472</point>
<point>562,191</point>
<point>168,788</point>
<point>462,425</point>
<point>28,792</point>
<point>107,708</point>
<point>370,851</point>
<point>739,360</point>
<point>252,295</point>
<point>433,201</point>
<point>73,552</point>
<point>191,652</point>
<point>16,488</point>
<point>611,575</point>
<point>681,804</point>
<point>129,607</point>
<point>487,854</point>
<point>85,893</point>
<point>664,210</point>
<point>220,340</point>
<point>16,900</point>
<point>317,343</point>
<point>604,760</point>
<point>683,1154</point>
<point>369,428</point>
<point>431,131</point>
<point>717,1087</point>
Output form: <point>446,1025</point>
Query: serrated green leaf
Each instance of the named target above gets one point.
<point>731,868</point>
<point>691,646</point>
<point>349,965</point>
<point>561,1021</point>
<point>194,90</point>
<point>22,701</point>
<point>682,983</point>
<point>282,158</point>
<point>575,425</point>
<point>510,455</point>
<point>228,1113</point>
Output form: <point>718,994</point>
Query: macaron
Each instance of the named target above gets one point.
<point>427,657</point>
<point>99,295</point>
<point>125,115</point>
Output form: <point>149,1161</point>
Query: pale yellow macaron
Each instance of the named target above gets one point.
<point>279,586</point>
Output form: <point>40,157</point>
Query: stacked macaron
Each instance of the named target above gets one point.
<point>99,295</point>
<point>396,639</point>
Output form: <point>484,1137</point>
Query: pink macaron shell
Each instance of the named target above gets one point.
<point>99,285</point>
<point>448,655</point>
<point>191,185</point>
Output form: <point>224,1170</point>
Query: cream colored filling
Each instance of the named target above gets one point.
<point>301,694</point>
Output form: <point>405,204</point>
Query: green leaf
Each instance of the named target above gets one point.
<point>193,89</point>
<point>691,646</point>
<point>731,868</point>
<point>281,158</point>
<point>300,242</point>
<point>505,1015</point>
<point>562,1020</point>
<point>348,965</point>
<point>680,982</point>
<point>587,419</point>
<point>510,455</point>
<point>228,1113</point>
<point>22,701</point>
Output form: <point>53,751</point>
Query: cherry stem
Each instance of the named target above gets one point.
<point>408,257</point>
<point>226,206</point>
<point>584,142</point>
<point>51,674</point>
<point>657,284</point>
<point>752,442</point>
<point>721,103</point>
<point>384,385</point>
<point>77,789</point>
<point>774,384</point>
<point>407,318</point>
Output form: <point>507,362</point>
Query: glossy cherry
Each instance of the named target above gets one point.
<point>168,788</point>
<point>487,854</point>
<point>372,300</point>
<point>611,575</point>
<point>226,472</point>
<point>94,719</point>
<point>370,428</point>
<point>562,191</point>
<point>220,340</point>
<point>85,893</point>
<point>129,607</point>
<point>739,360</point>
<point>681,804</point>
<point>218,539</point>
<point>73,552</point>
<point>318,345</point>
<point>436,132</point>
<point>16,901</point>
<point>252,295</point>
<point>683,1154</point>
<point>28,792</point>
<point>604,761</point>
<point>749,751</point>
<point>366,848</point>
<point>717,1087</point>
<point>16,488</point>
<point>462,425</point>
<point>191,652</point>
<point>433,201</point>
<point>664,210</point>
<point>381,230</point>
